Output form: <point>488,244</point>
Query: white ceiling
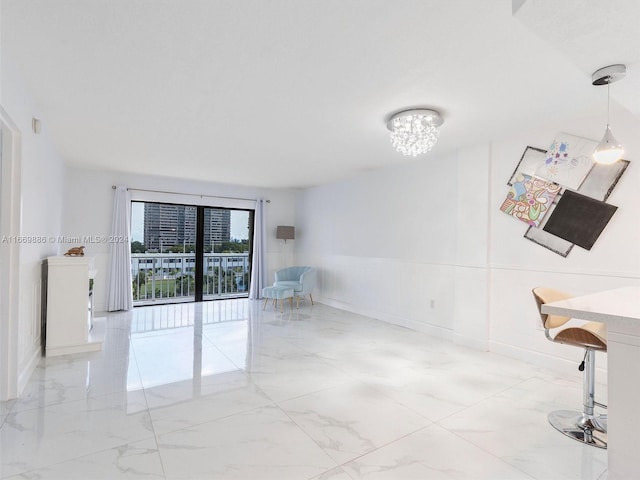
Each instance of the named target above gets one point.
<point>293,93</point>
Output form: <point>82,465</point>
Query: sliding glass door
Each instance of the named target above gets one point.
<point>182,253</point>
<point>226,256</point>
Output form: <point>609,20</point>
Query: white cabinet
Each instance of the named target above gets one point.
<point>68,312</point>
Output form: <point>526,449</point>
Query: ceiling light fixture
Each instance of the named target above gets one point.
<point>609,150</point>
<point>415,131</point>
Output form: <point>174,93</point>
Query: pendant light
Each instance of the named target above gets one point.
<point>609,150</point>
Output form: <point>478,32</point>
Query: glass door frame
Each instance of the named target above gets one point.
<point>198,271</point>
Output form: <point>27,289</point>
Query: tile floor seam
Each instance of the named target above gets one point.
<point>383,392</point>
<point>514,465</point>
<point>385,445</point>
<point>153,428</point>
<point>339,465</point>
<point>50,465</point>
<point>500,459</point>
<point>71,459</point>
<point>218,419</point>
<point>302,394</point>
<point>478,445</point>
<point>132,349</point>
<point>66,402</point>
<point>295,397</point>
<point>482,400</point>
<point>13,404</point>
<point>312,439</point>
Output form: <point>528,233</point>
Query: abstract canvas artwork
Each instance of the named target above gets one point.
<point>568,163</point>
<point>579,219</point>
<point>568,160</point>
<point>529,198</point>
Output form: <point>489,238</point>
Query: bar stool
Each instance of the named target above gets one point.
<point>585,426</point>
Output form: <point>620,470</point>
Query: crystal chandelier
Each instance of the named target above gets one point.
<point>414,131</point>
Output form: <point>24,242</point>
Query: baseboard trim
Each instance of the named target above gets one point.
<point>71,349</point>
<point>471,342</point>
<point>429,329</point>
<point>433,330</point>
<point>556,364</point>
<point>25,374</point>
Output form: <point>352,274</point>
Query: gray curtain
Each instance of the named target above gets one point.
<point>120,293</point>
<point>259,263</point>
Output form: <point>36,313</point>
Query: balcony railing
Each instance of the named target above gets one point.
<point>170,277</point>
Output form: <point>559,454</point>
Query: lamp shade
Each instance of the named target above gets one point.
<point>284,232</point>
<point>609,150</point>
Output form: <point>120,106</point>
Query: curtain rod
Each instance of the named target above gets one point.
<point>113,187</point>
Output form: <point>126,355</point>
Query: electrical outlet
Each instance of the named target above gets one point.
<point>432,303</point>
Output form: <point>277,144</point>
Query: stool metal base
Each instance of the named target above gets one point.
<point>588,429</point>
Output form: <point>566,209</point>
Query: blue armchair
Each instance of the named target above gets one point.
<point>301,279</point>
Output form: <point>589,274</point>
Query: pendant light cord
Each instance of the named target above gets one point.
<point>608,108</point>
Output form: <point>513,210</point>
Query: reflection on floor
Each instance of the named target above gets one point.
<point>223,390</point>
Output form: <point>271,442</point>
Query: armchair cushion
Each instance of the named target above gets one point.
<point>301,279</point>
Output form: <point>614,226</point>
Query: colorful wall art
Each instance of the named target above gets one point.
<point>597,183</point>
<point>529,198</point>
<point>568,161</point>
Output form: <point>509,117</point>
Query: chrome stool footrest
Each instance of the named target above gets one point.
<point>588,429</point>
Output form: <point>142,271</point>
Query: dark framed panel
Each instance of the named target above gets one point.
<point>579,219</point>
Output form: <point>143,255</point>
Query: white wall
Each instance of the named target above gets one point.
<point>88,204</point>
<point>386,242</point>
<point>424,245</point>
<point>41,183</point>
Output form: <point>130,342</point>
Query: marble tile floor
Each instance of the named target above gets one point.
<point>223,390</point>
